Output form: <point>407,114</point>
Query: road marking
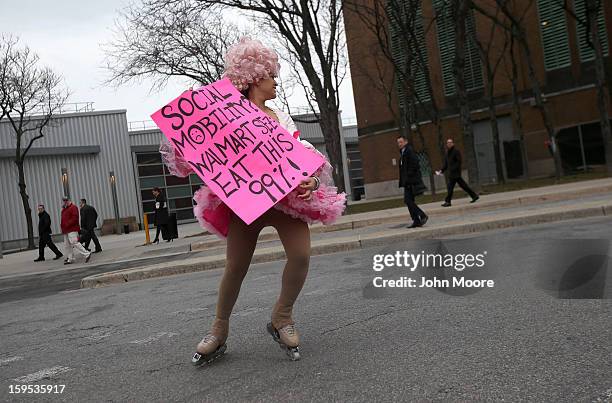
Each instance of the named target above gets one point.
<point>154,338</point>
<point>42,374</point>
<point>10,359</point>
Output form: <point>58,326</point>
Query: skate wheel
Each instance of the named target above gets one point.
<point>199,359</point>
<point>294,354</point>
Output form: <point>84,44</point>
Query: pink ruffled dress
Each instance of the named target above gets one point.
<point>325,206</point>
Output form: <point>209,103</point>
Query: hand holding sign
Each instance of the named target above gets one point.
<point>247,158</point>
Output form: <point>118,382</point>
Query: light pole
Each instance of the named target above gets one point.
<point>345,168</point>
<point>113,183</point>
<point>65,183</point>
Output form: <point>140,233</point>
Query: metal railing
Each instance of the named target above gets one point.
<point>77,107</point>
<point>141,125</point>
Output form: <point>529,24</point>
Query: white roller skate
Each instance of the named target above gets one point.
<point>288,340</point>
<point>212,348</point>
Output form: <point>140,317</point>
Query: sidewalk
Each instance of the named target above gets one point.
<point>578,199</point>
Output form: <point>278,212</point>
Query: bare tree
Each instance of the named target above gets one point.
<point>459,12</point>
<point>400,30</point>
<point>159,40</point>
<point>513,24</point>
<point>311,31</point>
<point>491,57</point>
<point>590,21</point>
<point>517,114</point>
<point>30,98</point>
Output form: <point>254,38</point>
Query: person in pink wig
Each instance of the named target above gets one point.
<point>252,69</point>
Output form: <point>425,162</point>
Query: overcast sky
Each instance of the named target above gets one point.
<point>68,34</point>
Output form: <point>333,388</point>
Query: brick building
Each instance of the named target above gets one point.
<point>563,63</point>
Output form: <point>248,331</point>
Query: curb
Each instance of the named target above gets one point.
<point>345,244</point>
<point>403,216</point>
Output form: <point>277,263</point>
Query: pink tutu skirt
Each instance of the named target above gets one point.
<point>325,206</point>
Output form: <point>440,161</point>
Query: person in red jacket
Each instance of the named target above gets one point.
<point>70,229</point>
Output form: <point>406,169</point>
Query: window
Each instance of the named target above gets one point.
<point>554,35</point>
<point>406,59</point>
<point>150,170</point>
<point>150,158</point>
<point>146,195</point>
<point>195,179</point>
<point>175,180</point>
<point>151,182</point>
<point>179,191</point>
<point>185,214</point>
<point>184,202</point>
<point>586,52</point>
<point>446,43</point>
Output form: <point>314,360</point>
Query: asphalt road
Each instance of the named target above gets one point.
<point>542,333</point>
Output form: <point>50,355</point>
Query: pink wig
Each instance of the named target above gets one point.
<point>249,61</point>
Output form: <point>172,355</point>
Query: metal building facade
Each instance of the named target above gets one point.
<point>88,145</point>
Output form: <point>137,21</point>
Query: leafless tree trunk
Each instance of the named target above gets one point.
<point>492,63</point>
<point>460,10</point>
<point>378,17</point>
<point>30,97</point>
<point>516,103</point>
<point>591,23</point>
<point>593,9</point>
<point>516,28</point>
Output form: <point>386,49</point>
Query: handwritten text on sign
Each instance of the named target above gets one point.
<point>247,158</point>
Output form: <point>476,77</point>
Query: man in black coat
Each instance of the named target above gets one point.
<point>410,179</point>
<point>44,235</point>
<point>89,218</point>
<point>452,163</point>
<point>161,214</point>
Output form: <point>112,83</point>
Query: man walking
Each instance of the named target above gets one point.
<point>44,235</point>
<point>89,217</point>
<point>70,229</point>
<point>410,179</point>
<point>452,163</point>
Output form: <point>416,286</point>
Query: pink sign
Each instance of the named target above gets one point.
<point>247,158</point>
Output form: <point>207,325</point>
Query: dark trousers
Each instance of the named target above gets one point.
<point>415,212</point>
<point>88,236</point>
<point>160,228</point>
<point>459,181</point>
<point>45,240</point>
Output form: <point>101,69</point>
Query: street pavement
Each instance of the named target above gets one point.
<point>521,340</point>
<point>129,248</point>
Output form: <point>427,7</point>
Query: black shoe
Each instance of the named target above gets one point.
<point>474,199</point>
<point>58,257</point>
<point>446,204</point>
<point>40,259</point>
<point>424,220</point>
<point>97,251</point>
<point>415,225</point>
<point>155,241</point>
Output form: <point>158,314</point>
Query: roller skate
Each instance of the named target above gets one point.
<point>211,347</point>
<point>288,340</point>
